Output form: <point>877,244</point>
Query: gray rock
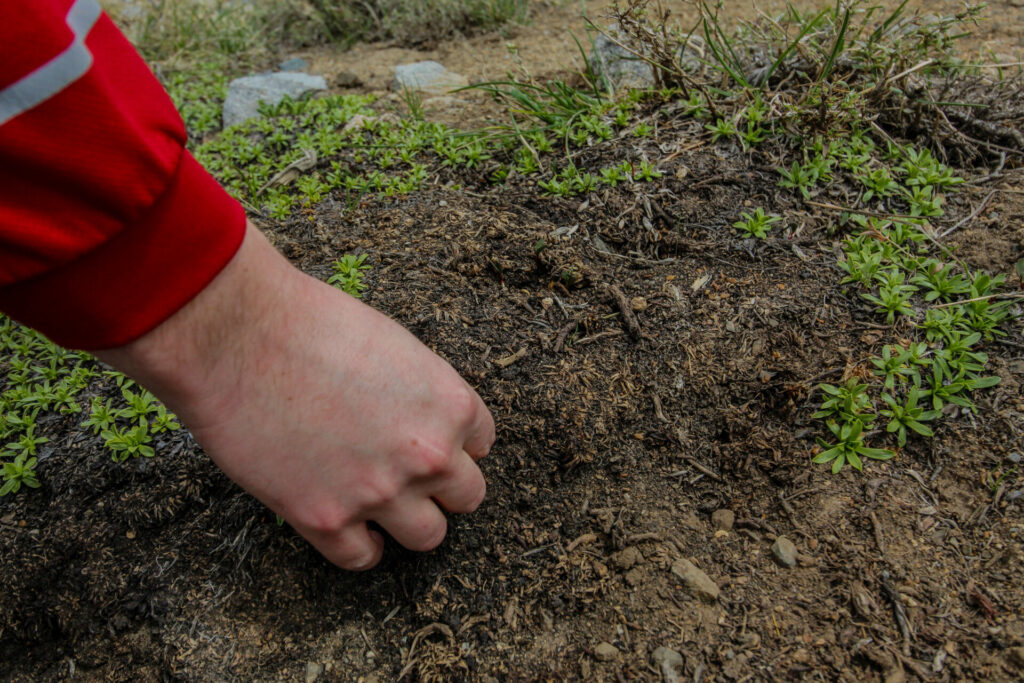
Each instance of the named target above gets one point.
<point>618,68</point>
<point>696,582</point>
<point>313,671</point>
<point>668,662</point>
<point>723,519</point>
<point>1015,458</point>
<point>294,64</point>
<point>427,77</point>
<point>605,652</point>
<point>784,552</point>
<point>245,94</point>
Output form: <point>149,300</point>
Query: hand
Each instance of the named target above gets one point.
<point>327,411</point>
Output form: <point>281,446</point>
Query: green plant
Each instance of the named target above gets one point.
<point>849,447</point>
<point>909,415</point>
<point>722,128</point>
<point>940,280</point>
<point>879,183</point>
<point>848,402</point>
<point>757,224</point>
<point>646,171</point>
<point>17,473</point>
<point>893,296</point>
<point>895,364</point>
<point>799,178</point>
<point>349,272</point>
<point>130,442</point>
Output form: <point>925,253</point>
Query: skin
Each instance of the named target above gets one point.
<point>327,411</point>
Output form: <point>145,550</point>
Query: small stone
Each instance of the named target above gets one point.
<point>784,552</point>
<point>1015,458</point>
<point>313,671</point>
<point>129,534</point>
<point>245,94</point>
<point>1014,495</point>
<point>634,577</point>
<point>668,662</point>
<point>293,64</point>
<point>347,79</point>
<point>605,652</point>
<point>547,302</point>
<point>638,304</point>
<point>627,559</point>
<point>428,77</point>
<point>696,582</point>
<point>723,519</point>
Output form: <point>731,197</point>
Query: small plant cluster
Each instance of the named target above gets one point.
<point>946,312</point>
<point>370,156</point>
<point>756,224</point>
<point>41,382</point>
<point>128,432</point>
<point>349,271</point>
<point>40,379</point>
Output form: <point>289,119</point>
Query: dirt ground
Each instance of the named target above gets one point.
<point>617,442</point>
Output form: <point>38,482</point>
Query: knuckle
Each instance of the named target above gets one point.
<point>380,493</point>
<point>323,518</point>
<point>462,402</point>
<point>432,461</point>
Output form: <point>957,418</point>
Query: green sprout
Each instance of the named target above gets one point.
<point>757,224</point>
<point>908,416</point>
<point>348,274</point>
<point>20,471</point>
<point>849,447</point>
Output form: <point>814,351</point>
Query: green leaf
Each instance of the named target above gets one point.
<point>826,456</point>
<point>876,453</point>
<point>854,460</point>
<point>984,382</point>
<point>838,464</point>
<point>921,429</point>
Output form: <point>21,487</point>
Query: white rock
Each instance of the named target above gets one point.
<point>427,77</point>
<point>245,94</point>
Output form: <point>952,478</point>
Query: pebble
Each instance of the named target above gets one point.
<point>723,519</point>
<point>428,77</point>
<point>627,559</point>
<point>1015,458</point>
<point>313,671</point>
<point>668,662</point>
<point>638,304</point>
<point>634,577</point>
<point>1014,495</point>
<point>347,79</point>
<point>784,552</point>
<point>605,652</point>
<point>695,581</point>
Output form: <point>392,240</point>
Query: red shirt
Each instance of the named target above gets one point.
<point>107,224</point>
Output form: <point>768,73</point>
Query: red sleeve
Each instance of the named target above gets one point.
<point>107,224</point>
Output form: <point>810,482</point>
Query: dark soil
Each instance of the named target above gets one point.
<point>624,422</point>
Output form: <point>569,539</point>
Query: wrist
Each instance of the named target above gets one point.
<point>192,359</point>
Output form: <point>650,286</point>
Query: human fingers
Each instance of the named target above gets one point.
<point>463,488</point>
<point>354,547</point>
<point>480,436</point>
<point>415,521</point>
